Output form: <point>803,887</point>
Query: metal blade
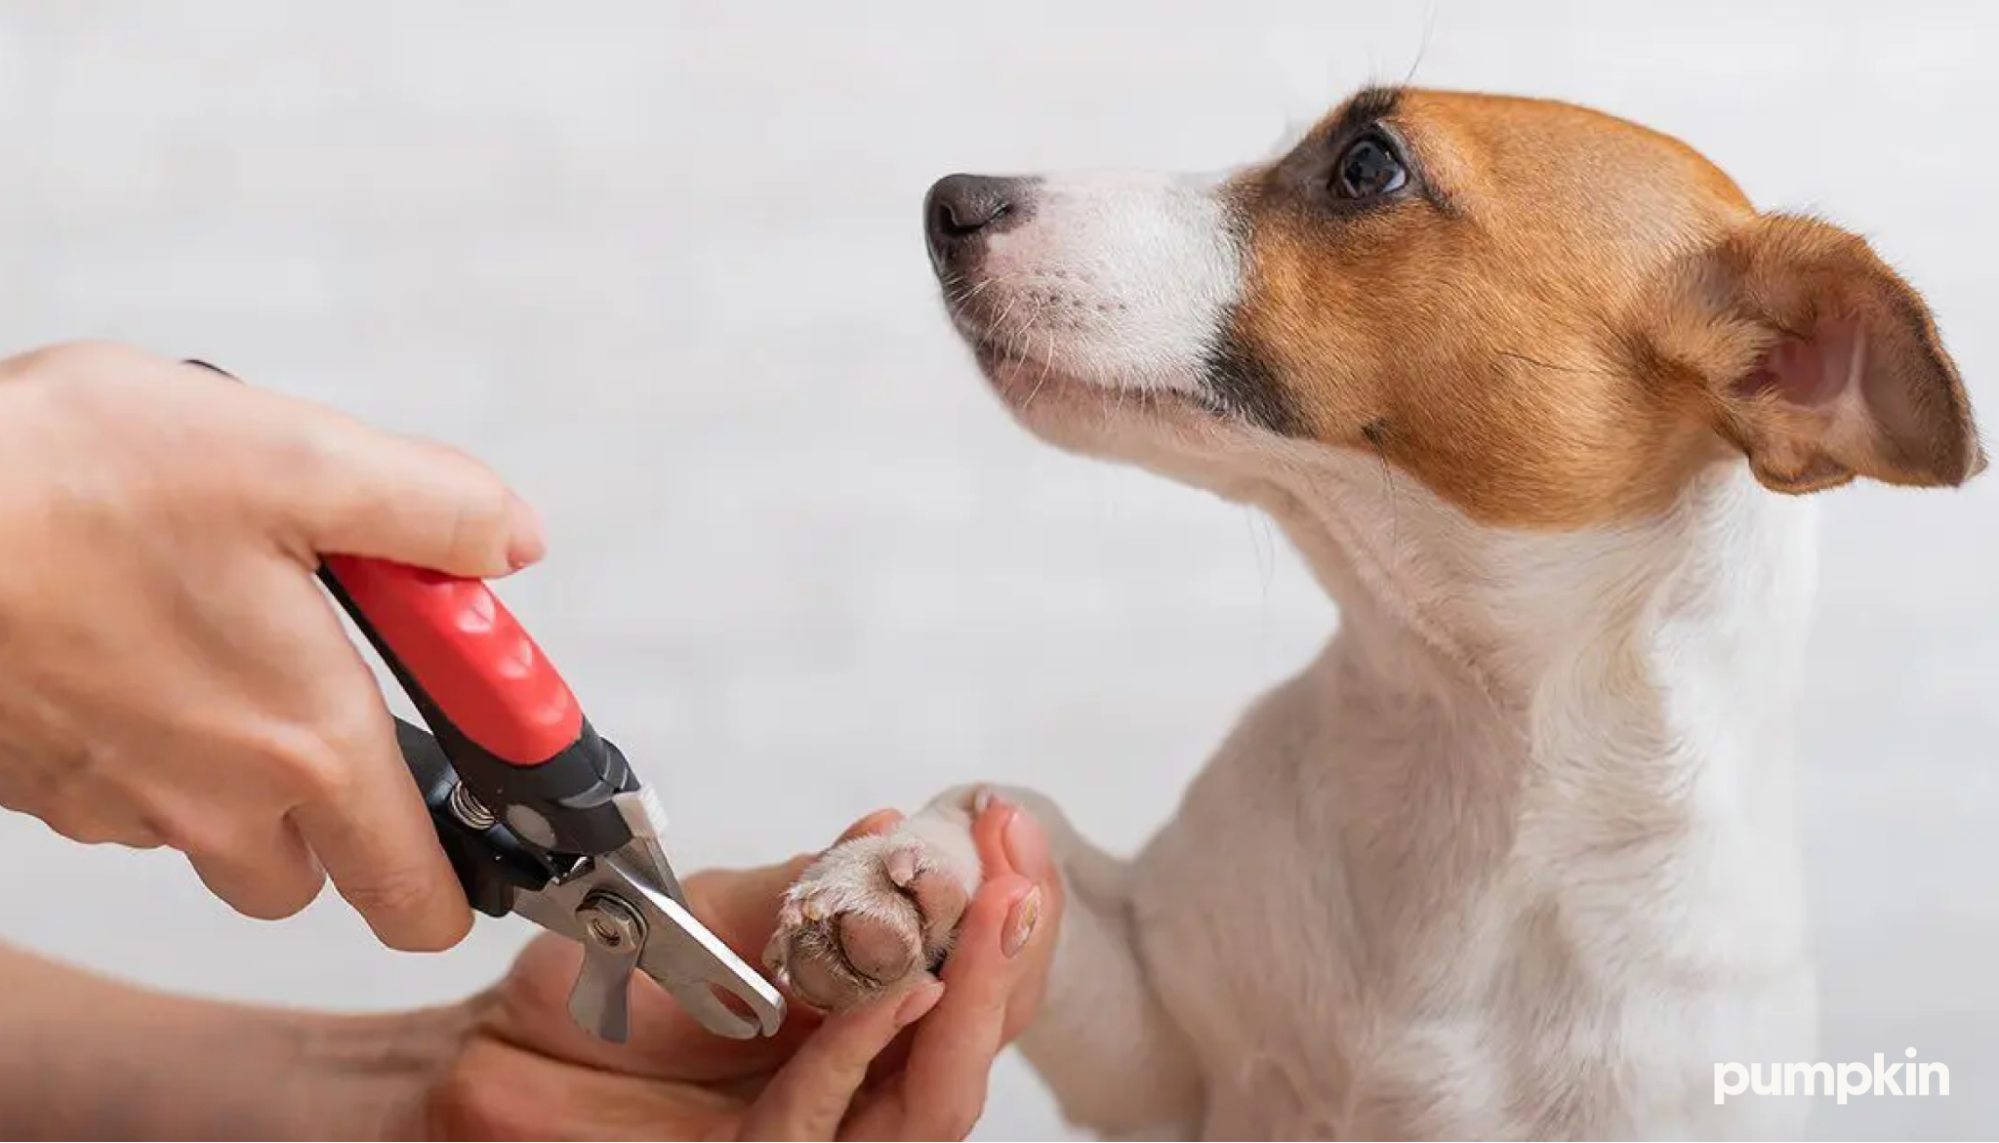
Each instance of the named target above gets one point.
<point>627,910</point>
<point>645,856</point>
<point>647,820</point>
<point>701,1002</point>
<point>692,963</point>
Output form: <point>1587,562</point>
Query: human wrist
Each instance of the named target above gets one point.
<point>88,1056</point>
<point>366,1077</point>
<point>189,1069</point>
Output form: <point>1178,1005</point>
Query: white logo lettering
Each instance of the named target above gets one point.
<point>1841,1081</point>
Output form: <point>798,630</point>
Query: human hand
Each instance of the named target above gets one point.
<point>170,673</point>
<point>527,1072</point>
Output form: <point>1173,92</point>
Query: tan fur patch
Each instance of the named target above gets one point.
<point>1521,331</point>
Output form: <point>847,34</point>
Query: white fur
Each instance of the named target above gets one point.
<point>1514,857</point>
<point>1117,278</point>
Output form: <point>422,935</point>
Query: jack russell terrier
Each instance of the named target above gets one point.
<point>1540,397</point>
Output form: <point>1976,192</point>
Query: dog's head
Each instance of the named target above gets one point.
<point>1549,317</point>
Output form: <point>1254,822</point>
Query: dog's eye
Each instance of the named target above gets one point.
<point>1369,168</point>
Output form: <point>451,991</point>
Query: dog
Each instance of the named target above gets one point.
<point>1543,402</point>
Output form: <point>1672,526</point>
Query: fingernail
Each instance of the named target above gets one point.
<point>529,542</point>
<point>1020,922</point>
<point>1026,846</point>
<point>919,1002</point>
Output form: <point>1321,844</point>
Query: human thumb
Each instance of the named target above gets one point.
<point>812,1093</point>
<point>349,489</point>
<point>418,503</point>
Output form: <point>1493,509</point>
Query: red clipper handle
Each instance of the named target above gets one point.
<point>508,725</point>
<point>512,732</point>
<point>465,650</point>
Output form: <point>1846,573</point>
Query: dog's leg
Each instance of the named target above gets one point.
<point>875,909</point>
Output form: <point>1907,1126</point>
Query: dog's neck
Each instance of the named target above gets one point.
<point>1597,722</point>
<point>1625,665</point>
<point>1720,585</point>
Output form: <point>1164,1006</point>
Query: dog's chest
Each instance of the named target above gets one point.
<point>1247,924</point>
<point>1342,973</point>
<point>1251,962</point>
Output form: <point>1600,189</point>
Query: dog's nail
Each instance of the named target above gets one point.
<point>982,799</point>
<point>814,911</point>
<point>1020,923</point>
<point>902,865</point>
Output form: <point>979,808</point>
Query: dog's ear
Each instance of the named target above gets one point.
<point>1816,359</point>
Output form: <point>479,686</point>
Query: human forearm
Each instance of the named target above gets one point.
<point>84,1057</point>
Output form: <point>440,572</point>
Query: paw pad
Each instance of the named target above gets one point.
<point>866,916</point>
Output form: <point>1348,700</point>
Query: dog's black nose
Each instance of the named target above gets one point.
<point>962,210</point>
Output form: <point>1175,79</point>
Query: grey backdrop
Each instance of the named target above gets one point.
<point>661,265</point>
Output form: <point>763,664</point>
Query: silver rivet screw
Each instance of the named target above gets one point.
<point>610,922</point>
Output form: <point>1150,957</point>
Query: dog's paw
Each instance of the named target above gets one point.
<point>873,912</point>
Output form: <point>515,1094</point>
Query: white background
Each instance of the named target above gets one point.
<point>661,264</point>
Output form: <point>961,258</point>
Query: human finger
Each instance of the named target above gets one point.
<point>1010,839</point>
<point>881,821</point>
<point>951,1055</point>
<point>357,490</point>
<point>264,870</point>
<point>418,503</point>
<point>353,489</point>
<point>810,1095</point>
<point>365,820</point>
